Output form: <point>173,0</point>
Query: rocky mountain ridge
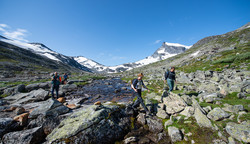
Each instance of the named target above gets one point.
<point>165,51</point>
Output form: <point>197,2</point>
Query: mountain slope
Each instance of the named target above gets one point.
<point>18,56</point>
<point>230,50</point>
<point>165,51</point>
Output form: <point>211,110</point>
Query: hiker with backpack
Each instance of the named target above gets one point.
<point>65,78</point>
<point>170,78</point>
<point>137,85</point>
<point>55,80</point>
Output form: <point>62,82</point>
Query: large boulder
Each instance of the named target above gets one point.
<point>200,115</point>
<point>68,87</point>
<point>30,136</point>
<point>32,87</point>
<point>217,114</point>
<point>5,123</point>
<point>50,107</point>
<point>14,90</point>
<point>96,124</point>
<point>24,98</point>
<point>174,104</point>
<point>233,108</point>
<point>208,87</point>
<point>154,124</point>
<point>175,134</point>
<point>240,132</point>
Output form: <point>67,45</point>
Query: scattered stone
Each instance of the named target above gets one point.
<point>207,109</point>
<point>234,109</point>
<point>240,132</point>
<point>224,92</point>
<point>217,114</point>
<point>218,102</point>
<point>201,119</point>
<point>187,99</point>
<point>162,114</point>
<point>188,111</point>
<point>240,115</point>
<point>61,100</point>
<point>154,124</point>
<point>98,103</point>
<point>19,110</point>
<point>141,119</point>
<point>231,140</point>
<point>30,136</point>
<point>73,106</point>
<point>174,103</point>
<point>130,139</point>
<point>5,125</point>
<point>50,107</point>
<point>23,119</point>
<point>175,134</point>
<point>241,95</point>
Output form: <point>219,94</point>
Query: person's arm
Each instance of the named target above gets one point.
<point>145,86</point>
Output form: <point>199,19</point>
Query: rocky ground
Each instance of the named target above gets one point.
<point>205,107</point>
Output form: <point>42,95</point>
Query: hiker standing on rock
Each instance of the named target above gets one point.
<point>55,80</point>
<point>137,85</point>
<point>170,78</point>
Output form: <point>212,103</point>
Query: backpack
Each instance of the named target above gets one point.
<point>166,74</point>
<point>132,81</point>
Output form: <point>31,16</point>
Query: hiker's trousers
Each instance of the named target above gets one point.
<point>55,87</point>
<point>170,84</point>
<point>139,101</point>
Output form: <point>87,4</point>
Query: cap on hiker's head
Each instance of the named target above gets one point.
<point>140,75</point>
<point>172,67</point>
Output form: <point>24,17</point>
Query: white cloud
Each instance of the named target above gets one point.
<point>18,34</point>
<point>157,41</point>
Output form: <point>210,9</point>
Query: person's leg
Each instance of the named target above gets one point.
<point>141,101</point>
<point>169,84</point>
<point>137,102</point>
<point>57,89</point>
<point>52,91</point>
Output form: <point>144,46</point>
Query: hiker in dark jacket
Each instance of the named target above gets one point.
<point>137,85</point>
<point>170,78</point>
<point>55,80</point>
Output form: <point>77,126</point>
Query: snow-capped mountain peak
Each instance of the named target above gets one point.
<point>165,51</point>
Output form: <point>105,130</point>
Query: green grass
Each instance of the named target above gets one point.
<point>4,84</point>
<point>199,134</point>
<point>232,99</point>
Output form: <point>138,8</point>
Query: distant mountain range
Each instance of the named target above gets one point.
<point>82,63</point>
<point>165,51</point>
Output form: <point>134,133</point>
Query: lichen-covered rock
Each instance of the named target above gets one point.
<point>240,132</point>
<point>154,124</point>
<point>162,114</point>
<point>49,108</point>
<point>4,125</point>
<point>175,134</point>
<point>188,111</point>
<point>96,124</point>
<point>30,136</point>
<point>217,114</point>
<point>174,103</point>
<point>202,119</point>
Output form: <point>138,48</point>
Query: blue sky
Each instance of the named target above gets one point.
<point>113,32</point>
